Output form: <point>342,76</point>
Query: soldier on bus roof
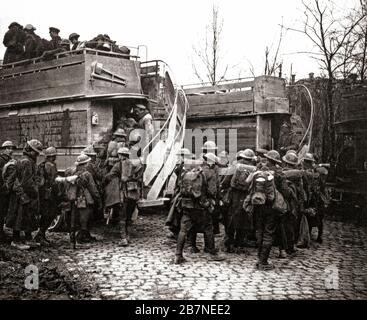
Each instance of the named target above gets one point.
<point>14,42</point>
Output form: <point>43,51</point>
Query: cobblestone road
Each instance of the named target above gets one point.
<point>336,269</point>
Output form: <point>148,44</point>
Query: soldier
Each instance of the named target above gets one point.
<point>130,178</point>
<point>264,183</point>
<point>47,170</point>
<point>315,182</point>
<point>14,42</point>
<point>33,43</point>
<point>223,159</point>
<point>211,147</point>
<point>197,206</point>
<point>119,140</point>
<point>287,231</point>
<point>211,174</point>
<point>5,156</point>
<point>23,205</point>
<point>142,116</point>
<point>74,41</point>
<point>236,222</point>
<point>86,196</point>
<point>97,175</point>
<point>174,216</point>
<point>54,43</point>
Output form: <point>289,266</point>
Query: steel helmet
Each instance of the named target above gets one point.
<point>212,157</point>
<point>309,157</point>
<point>209,145</point>
<point>135,136</point>
<point>120,133</point>
<point>247,154</point>
<point>291,151</point>
<point>273,155</point>
<point>184,152</point>
<point>8,144</point>
<point>291,158</point>
<point>50,152</point>
<point>123,150</point>
<point>82,159</point>
<point>89,151</point>
<point>35,145</point>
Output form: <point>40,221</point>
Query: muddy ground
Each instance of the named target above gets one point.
<point>55,281</point>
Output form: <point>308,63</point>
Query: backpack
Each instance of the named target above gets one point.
<point>192,182</point>
<point>4,173</point>
<point>263,187</point>
<point>240,175</point>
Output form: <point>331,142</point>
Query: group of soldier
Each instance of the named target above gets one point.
<point>262,199</point>
<point>23,43</point>
<point>106,182</point>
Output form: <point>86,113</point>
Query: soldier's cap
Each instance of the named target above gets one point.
<point>29,27</point>
<point>53,29</point>
<point>82,159</point>
<point>107,36</point>
<point>14,24</point>
<point>74,35</point>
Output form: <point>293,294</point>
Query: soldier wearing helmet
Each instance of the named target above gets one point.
<point>314,180</point>
<point>119,140</point>
<point>23,203</point>
<point>209,146</point>
<point>98,177</point>
<point>141,114</point>
<point>5,156</point>
<point>47,171</point>
<point>266,182</point>
<point>237,225</point>
<point>197,205</point>
<point>87,196</point>
<point>124,198</point>
<point>286,229</point>
<point>173,220</point>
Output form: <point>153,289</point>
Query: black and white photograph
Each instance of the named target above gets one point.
<point>201,152</point>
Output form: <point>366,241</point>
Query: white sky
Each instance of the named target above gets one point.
<point>171,28</point>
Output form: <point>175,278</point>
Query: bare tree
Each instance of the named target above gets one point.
<point>209,55</point>
<point>272,63</point>
<point>331,36</point>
